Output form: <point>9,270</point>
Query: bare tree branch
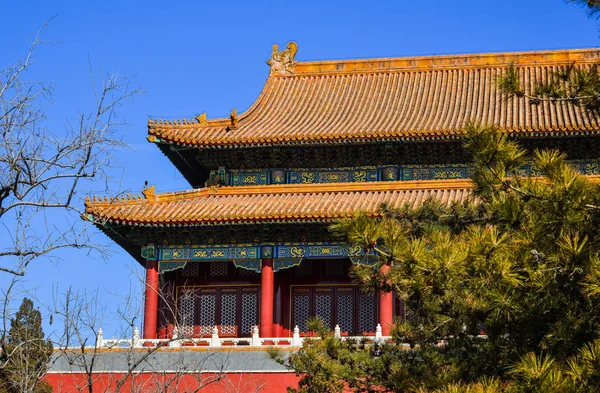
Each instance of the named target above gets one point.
<point>42,169</point>
<point>45,174</point>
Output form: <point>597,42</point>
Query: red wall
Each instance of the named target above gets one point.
<point>167,383</point>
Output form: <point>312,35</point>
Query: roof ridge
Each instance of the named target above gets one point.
<point>455,61</point>
<point>119,198</point>
<point>462,54</point>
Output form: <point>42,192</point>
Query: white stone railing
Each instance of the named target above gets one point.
<point>215,341</point>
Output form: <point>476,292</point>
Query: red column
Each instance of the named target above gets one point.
<point>266,298</point>
<point>385,308</point>
<point>151,304</point>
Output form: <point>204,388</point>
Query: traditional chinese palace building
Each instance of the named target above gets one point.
<point>248,244</point>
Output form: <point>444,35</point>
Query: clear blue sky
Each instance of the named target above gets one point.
<point>196,56</point>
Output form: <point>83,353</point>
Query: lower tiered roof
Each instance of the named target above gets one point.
<point>273,203</point>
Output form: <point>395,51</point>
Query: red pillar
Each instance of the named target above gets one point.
<point>151,304</point>
<point>385,308</point>
<point>266,298</point>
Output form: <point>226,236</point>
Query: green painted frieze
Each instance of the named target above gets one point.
<point>239,177</point>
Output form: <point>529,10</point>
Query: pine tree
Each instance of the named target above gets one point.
<point>502,293</point>
<point>592,7</point>
<point>577,85</point>
<point>25,353</point>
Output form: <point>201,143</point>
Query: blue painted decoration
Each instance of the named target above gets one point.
<point>285,256</point>
<point>149,252</point>
<point>249,177</point>
<point>255,252</point>
<point>209,253</point>
<point>164,267</point>
<point>285,263</point>
<point>254,265</point>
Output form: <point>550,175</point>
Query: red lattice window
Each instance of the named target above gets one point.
<point>249,311</point>
<point>323,306</point>
<point>345,309</point>
<point>229,313</point>
<point>302,308</point>
<point>233,310</point>
<point>207,310</point>
<point>187,313</point>
<point>335,268</point>
<point>367,306</point>
<point>345,306</point>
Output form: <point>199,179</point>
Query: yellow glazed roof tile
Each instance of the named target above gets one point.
<point>413,97</point>
<point>273,203</point>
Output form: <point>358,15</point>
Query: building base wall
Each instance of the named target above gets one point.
<point>171,382</point>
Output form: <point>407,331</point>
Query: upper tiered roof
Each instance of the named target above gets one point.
<point>428,97</point>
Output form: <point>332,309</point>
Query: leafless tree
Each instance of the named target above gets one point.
<point>43,172</point>
<point>46,172</point>
<point>82,315</point>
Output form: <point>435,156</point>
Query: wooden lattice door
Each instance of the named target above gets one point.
<point>233,310</point>
<point>354,311</point>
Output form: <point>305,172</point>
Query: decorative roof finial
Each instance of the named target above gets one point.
<point>201,119</point>
<point>234,119</point>
<point>283,62</point>
<point>148,191</point>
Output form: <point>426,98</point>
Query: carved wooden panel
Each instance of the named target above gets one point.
<point>207,310</point>
<point>345,311</point>
<point>367,312</point>
<point>345,306</point>
<point>233,310</point>
<point>187,314</point>
<point>249,312</point>
<point>228,313</point>
<point>302,310</point>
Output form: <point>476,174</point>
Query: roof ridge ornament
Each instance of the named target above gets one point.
<point>148,192</point>
<point>201,119</point>
<point>233,118</point>
<point>283,62</point>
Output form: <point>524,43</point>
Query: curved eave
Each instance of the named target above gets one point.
<point>241,221</point>
<point>271,204</point>
<point>455,136</point>
<point>223,124</point>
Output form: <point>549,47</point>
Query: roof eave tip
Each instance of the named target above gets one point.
<point>154,139</point>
